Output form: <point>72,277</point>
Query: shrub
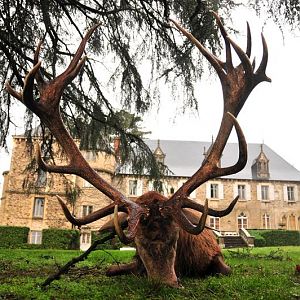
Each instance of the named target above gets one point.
<point>60,239</point>
<point>275,237</point>
<point>13,237</point>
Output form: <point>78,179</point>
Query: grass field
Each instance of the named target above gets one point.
<point>261,273</point>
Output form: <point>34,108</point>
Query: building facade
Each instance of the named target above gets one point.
<point>268,188</point>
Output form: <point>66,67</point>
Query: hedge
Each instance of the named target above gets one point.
<point>17,237</point>
<point>111,244</point>
<point>266,238</point>
<point>60,239</point>
<point>13,237</point>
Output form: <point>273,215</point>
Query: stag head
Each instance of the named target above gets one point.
<point>153,221</point>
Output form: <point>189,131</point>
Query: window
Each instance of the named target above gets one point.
<point>86,184</point>
<point>266,221</point>
<point>214,191</point>
<point>290,193</point>
<point>242,221</point>
<point>214,222</point>
<point>86,210</point>
<point>85,238</point>
<point>35,237</point>
<point>158,186</point>
<point>133,187</point>
<point>38,208</point>
<point>265,192</point>
<point>242,191</point>
<point>41,178</point>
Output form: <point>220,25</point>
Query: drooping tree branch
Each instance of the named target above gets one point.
<point>66,268</point>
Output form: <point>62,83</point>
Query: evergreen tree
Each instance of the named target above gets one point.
<point>135,35</point>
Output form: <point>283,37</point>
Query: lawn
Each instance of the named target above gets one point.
<point>261,273</point>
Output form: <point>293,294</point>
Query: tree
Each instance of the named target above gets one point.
<point>283,12</point>
<point>135,35</point>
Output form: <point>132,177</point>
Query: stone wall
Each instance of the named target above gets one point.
<point>20,192</point>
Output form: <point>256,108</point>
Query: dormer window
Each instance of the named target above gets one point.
<point>260,167</point>
<point>159,154</point>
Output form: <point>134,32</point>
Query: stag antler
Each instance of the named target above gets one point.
<point>48,110</point>
<point>237,84</point>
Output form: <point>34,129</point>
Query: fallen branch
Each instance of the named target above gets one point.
<point>65,269</point>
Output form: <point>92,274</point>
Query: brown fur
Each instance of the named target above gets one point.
<point>165,251</point>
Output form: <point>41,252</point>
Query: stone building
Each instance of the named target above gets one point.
<point>268,188</point>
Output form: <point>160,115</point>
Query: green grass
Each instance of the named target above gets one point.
<point>262,273</point>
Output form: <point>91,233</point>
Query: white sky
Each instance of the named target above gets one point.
<point>270,115</point>
<point>272,111</point>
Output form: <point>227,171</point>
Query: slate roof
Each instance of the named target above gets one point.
<point>184,157</point>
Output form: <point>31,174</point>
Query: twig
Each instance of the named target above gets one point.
<point>65,269</point>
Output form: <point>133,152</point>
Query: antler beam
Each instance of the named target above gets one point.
<point>48,110</point>
<point>237,84</point>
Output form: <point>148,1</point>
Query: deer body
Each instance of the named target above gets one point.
<point>165,251</point>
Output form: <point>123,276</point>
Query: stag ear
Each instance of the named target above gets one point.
<point>109,226</point>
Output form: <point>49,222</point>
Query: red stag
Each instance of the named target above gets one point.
<point>170,240</point>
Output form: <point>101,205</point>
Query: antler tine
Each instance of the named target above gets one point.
<point>122,236</point>
<point>28,88</point>
<point>243,154</point>
<point>79,52</point>
<point>229,64</point>
<point>26,97</point>
<point>249,42</point>
<point>260,74</point>
<point>209,168</point>
<point>94,216</point>
<point>38,76</point>
<point>67,169</point>
<point>216,63</point>
<point>186,224</point>
<point>13,92</point>
<point>246,63</point>
<point>188,203</point>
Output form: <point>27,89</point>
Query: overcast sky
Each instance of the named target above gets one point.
<point>271,114</point>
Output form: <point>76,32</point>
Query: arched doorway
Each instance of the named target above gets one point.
<point>292,222</point>
<point>242,221</point>
<point>266,221</point>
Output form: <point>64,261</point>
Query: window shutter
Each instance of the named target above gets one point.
<point>139,187</point>
<point>208,190</point>
<point>271,191</point>
<point>296,194</point>
<point>221,191</point>
<point>258,191</point>
<point>285,195</point>
<point>235,190</point>
<point>248,192</point>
